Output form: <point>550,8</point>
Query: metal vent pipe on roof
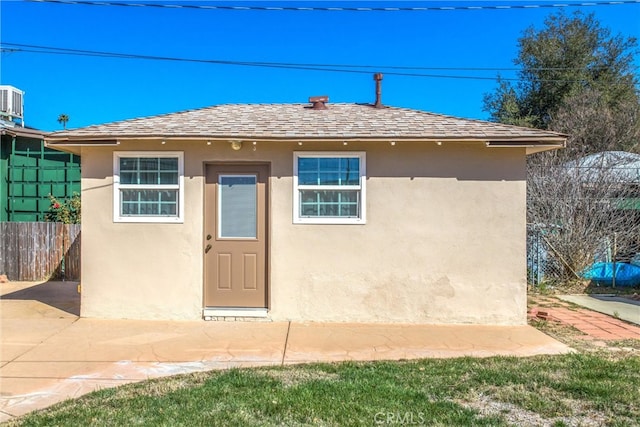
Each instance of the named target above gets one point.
<point>378,78</point>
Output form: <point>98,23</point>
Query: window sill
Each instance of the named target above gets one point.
<point>150,220</point>
<point>346,221</point>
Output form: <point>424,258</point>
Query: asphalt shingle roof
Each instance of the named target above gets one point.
<point>9,128</point>
<point>291,121</point>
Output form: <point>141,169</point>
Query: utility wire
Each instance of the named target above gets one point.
<point>375,67</point>
<point>339,68</point>
<point>249,64</point>
<point>339,8</point>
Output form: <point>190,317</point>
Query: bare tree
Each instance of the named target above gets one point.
<point>581,206</point>
<point>595,125</point>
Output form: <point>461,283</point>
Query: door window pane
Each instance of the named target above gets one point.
<point>237,206</point>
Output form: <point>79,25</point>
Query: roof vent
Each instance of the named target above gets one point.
<point>319,102</point>
<point>378,78</point>
<point>11,103</point>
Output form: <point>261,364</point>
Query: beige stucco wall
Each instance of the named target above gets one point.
<point>444,240</point>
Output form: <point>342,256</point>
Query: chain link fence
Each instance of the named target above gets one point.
<point>547,264</point>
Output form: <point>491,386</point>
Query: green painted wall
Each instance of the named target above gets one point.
<point>30,173</point>
<point>3,179</point>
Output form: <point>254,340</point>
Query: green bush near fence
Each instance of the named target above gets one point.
<point>66,211</point>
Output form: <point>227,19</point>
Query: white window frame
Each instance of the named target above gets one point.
<point>117,187</point>
<point>297,219</point>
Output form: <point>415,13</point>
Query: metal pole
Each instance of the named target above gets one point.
<point>41,175</point>
<point>538,269</point>
<point>615,255</point>
<point>11,172</point>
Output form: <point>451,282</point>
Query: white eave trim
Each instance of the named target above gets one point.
<point>99,143</point>
<point>531,147</point>
<point>531,144</point>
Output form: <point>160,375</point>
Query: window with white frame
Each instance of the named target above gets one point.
<point>329,188</point>
<point>148,186</point>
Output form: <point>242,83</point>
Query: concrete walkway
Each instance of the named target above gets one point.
<point>49,354</point>
<point>623,308</point>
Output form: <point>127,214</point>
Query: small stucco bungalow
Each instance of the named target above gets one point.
<point>314,212</point>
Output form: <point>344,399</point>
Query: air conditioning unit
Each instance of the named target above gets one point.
<point>11,103</point>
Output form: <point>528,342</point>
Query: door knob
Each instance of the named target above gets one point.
<point>207,249</point>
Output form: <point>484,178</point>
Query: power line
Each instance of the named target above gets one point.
<point>339,68</point>
<point>307,67</point>
<point>247,64</point>
<point>340,8</point>
<point>389,67</point>
<point>376,67</point>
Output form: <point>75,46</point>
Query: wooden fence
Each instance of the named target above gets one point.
<point>39,250</point>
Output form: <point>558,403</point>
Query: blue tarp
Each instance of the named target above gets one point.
<point>602,274</point>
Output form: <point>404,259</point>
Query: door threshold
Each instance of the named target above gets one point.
<point>234,312</point>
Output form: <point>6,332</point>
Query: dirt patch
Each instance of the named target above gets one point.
<point>513,414</point>
<point>581,287</point>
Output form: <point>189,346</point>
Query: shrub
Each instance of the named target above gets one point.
<point>67,211</point>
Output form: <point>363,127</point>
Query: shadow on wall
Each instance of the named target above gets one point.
<point>463,161</point>
<point>61,295</point>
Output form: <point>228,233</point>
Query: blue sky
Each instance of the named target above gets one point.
<point>94,90</point>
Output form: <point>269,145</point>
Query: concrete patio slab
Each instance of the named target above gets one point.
<point>50,354</point>
<point>101,340</point>
<point>31,331</point>
<point>322,342</point>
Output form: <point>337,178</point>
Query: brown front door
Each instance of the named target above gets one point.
<point>235,240</point>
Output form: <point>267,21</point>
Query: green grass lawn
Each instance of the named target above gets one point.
<point>574,389</point>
